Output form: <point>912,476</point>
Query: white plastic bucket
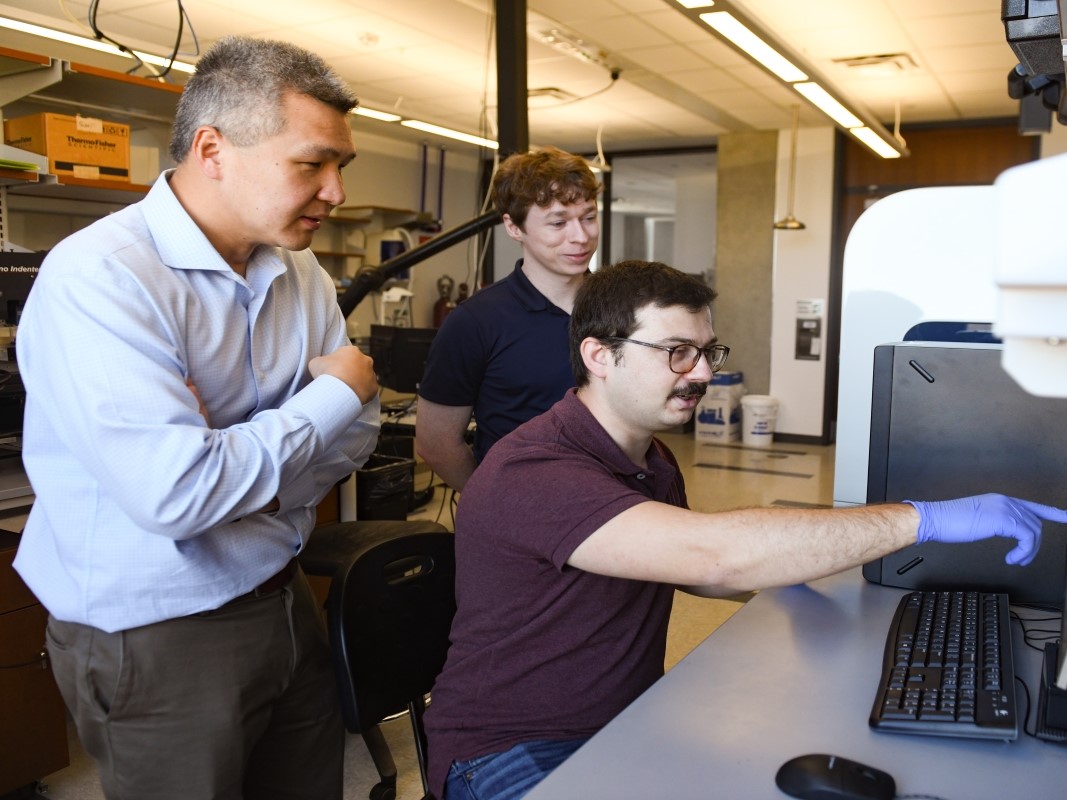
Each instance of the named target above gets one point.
<point>759,412</point>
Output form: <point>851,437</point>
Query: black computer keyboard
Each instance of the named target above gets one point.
<point>948,667</point>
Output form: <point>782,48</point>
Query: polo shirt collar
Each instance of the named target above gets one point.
<point>527,294</point>
<point>586,430</point>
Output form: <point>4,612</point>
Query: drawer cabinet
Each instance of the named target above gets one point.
<point>33,722</point>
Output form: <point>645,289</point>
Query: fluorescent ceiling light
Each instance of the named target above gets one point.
<point>747,36</point>
<point>728,26</point>
<point>148,58</point>
<point>384,116</point>
<point>93,44</point>
<point>875,142</point>
<point>822,99</point>
<point>449,133</point>
<point>427,127</point>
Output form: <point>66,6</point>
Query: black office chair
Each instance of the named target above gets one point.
<point>389,612</point>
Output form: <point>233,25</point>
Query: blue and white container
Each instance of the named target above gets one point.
<point>718,417</point>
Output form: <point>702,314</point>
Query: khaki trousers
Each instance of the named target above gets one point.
<point>234,704</point>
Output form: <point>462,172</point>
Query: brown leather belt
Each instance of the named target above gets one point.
<point>272,584</point>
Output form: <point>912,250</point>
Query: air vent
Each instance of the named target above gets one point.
<point>886,63</point>
<point>548,96</point>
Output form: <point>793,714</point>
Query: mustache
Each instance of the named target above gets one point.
<point>694,389</point>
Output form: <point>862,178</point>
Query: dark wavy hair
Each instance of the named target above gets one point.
<point>609,299</point>
<point>538,177</point>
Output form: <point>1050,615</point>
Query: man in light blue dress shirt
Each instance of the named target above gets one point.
<point>191,397</point>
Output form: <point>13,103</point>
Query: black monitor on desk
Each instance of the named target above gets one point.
<point>400,355</point>
<point>947,421</point>
<point>18,271</point>
<point>17,274</point>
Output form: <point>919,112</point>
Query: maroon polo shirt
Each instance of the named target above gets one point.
<point>541,650</point>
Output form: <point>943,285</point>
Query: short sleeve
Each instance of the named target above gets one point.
<point>585,495</point>
<point>456,362</point>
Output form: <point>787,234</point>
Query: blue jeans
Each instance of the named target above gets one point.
<point>508,775</point>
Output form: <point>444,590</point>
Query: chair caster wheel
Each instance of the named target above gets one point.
<point>383,791</point>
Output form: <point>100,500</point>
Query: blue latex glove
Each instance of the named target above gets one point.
<point>972,518</point>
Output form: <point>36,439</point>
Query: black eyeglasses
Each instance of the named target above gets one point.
<point>683,358</point>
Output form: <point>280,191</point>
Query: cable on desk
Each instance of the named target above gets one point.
<point>447,495</point>
<point>1032,635</point>
<point>453,501</point>
<point>398,409</point>
<point>450,495</point>
<point>1026,714</point>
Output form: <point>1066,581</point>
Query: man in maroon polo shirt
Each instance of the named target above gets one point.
<point>573,534</point>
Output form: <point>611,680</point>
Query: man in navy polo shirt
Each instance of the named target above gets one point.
<point>503,354</point>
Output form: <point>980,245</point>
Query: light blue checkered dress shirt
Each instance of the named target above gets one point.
<point>143,512</point>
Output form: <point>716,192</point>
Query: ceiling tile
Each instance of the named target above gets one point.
<point>436,57</point>
<point>667,59</point>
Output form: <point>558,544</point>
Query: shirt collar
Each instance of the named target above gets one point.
<point>178,240</point>
<point>527,294</point>
<point>182,245</point>
<point>586,430</point>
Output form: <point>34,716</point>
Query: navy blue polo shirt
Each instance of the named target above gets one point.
<point>506,353</point>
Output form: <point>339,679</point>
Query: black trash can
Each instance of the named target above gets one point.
<point>384,486</point>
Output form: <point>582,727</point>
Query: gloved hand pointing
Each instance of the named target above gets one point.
<point>972,518</point>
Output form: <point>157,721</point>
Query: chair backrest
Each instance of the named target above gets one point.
<point>390,611</point>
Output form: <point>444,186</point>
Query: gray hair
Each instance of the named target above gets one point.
<point>239,86</point>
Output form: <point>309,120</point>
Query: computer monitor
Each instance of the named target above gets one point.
<point>17,274</point>
<point>947,421</point>
<point>400,355</point>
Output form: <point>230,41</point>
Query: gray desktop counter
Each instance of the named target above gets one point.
<point>794,672</point>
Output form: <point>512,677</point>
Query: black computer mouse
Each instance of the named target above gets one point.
<point>819,776</point>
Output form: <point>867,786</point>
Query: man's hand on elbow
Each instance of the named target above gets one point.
<point>351,365</point>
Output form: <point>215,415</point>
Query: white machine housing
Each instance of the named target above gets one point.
<point>980,254</point>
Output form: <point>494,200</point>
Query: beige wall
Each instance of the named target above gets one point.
<point>747,164</point>
<point>802,261</point>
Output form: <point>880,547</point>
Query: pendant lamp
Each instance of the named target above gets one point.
<point>789,222</point>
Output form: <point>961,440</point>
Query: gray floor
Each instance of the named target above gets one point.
<point>717,477</point>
